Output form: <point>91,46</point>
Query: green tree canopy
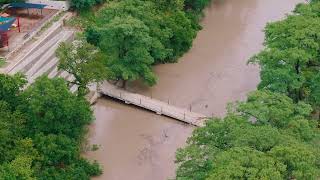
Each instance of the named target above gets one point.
<point>41,129</point>
<point>290,62</point>
<point>246,163</point>
<point>162,27</point>
<point>10,87</point>
<point>52,108</point>
<point>273,108</point>
<point>170,30</point>
<point>268,147</point>
<point>84,62</point>
<point>126,43</point>
<point>56,150</point>
<point>234,149</point>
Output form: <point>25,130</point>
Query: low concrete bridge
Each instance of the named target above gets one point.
<point>151,104</point>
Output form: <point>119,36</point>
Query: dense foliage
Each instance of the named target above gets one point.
<point>196,5</point>
<point>41,130</point>
<point>267,137</point>
<point>273,134</point>
<point>136,34</point>
<point>292,55</point>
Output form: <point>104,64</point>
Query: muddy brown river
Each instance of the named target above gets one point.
<point>139,145</point>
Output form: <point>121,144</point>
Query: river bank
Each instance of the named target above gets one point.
<point>136,144</point>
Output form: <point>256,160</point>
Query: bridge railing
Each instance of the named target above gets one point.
<point>154,105</point>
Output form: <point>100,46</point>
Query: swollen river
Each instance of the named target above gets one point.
<point>135,144</point>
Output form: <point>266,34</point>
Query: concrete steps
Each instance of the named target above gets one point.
<point>25,62</point>
<point>70,78</point>
<point>53,73</point>
<point>48,61</point>
<point>46,39</point>
<point>51,63</point>
<point>63,74</point>
<point>41,59</point>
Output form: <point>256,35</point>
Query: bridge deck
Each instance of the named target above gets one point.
<point>154,105</point>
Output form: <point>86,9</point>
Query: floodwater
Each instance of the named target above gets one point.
<point>139,145</point>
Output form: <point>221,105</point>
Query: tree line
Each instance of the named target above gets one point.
<point>274,134</point>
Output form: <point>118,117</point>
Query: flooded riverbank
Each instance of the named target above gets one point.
<point>140,145</point>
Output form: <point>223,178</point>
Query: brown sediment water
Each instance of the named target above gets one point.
<point>139,145</point>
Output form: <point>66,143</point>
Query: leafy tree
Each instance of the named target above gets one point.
<point>18,169</point>
<point>240,147</point>
<point>196,5</point>
<point>314,97</point>
<point>183,33</point>
<point>56,150</point>
<point>41,127</point>
<point>10,87</point>
<point>234,148</point>
<point>126,44</point>
<point>12,126</point>
<point>308,9</point>
<point>312,10</point>
<point>52,109</point>
<point>84,62</point>
<point>80,169</point>
<point>278,110</point>
<point>169,28</point>
<point>292,56</point>
<point>300,160</point>
<point>166,5</point>
<point>165,31</point>
<point>16,152</point>
<point>150,17</point>
<point>246,163</point>
<point>273,108</point>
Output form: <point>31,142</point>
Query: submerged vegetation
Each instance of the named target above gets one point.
<point>275,133</point>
